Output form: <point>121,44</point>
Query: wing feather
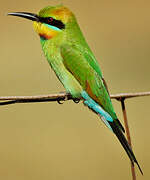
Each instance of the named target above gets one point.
<point>91,81</point>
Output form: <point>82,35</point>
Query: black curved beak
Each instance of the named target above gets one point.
<point>30,16</point>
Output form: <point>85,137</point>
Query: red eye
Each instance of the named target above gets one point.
<point>50,19</point>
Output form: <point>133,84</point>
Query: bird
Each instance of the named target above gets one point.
<point>75,65</point>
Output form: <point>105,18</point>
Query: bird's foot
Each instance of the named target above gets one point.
<point>65,98</point>
<point>76,100</point>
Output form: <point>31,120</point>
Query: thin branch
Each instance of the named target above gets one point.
<point>129,95</point>
<point>32,99</point>
<point>37,97</point>
<point>128,134</point>
<point>60,97</point>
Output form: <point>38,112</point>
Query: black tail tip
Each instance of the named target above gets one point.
<point>138,167</point>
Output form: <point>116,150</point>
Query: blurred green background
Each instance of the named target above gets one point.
<point>68,142</point>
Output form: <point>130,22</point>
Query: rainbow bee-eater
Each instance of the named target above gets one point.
<point>75,65</point>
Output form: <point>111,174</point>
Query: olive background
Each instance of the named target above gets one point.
<point>63,142</point>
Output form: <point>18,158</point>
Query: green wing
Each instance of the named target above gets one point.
<point>88,74</point>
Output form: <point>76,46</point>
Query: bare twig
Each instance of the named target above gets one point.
<point>129,95</point>
<point>60,97</point>
<point>6,100</point>
<point>128,134</point>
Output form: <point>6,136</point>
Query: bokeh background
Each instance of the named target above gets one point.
<point>63,142</point>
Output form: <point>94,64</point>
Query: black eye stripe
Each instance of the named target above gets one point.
<point>51,21</point>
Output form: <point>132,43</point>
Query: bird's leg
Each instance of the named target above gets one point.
<point>76,100</point>
<point>66,97</point>
<point>61,101</point>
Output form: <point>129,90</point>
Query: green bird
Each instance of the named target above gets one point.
<point>75,65</point>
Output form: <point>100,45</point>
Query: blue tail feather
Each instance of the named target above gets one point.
<point>96,108</point>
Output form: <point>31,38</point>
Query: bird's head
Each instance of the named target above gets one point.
<point>49,21</point>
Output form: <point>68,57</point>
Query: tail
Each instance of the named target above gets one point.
<point>112,125</point>
<point>125,144</point>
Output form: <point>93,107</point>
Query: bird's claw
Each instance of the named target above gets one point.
<point>76,100</point>
<point>62,101</point>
